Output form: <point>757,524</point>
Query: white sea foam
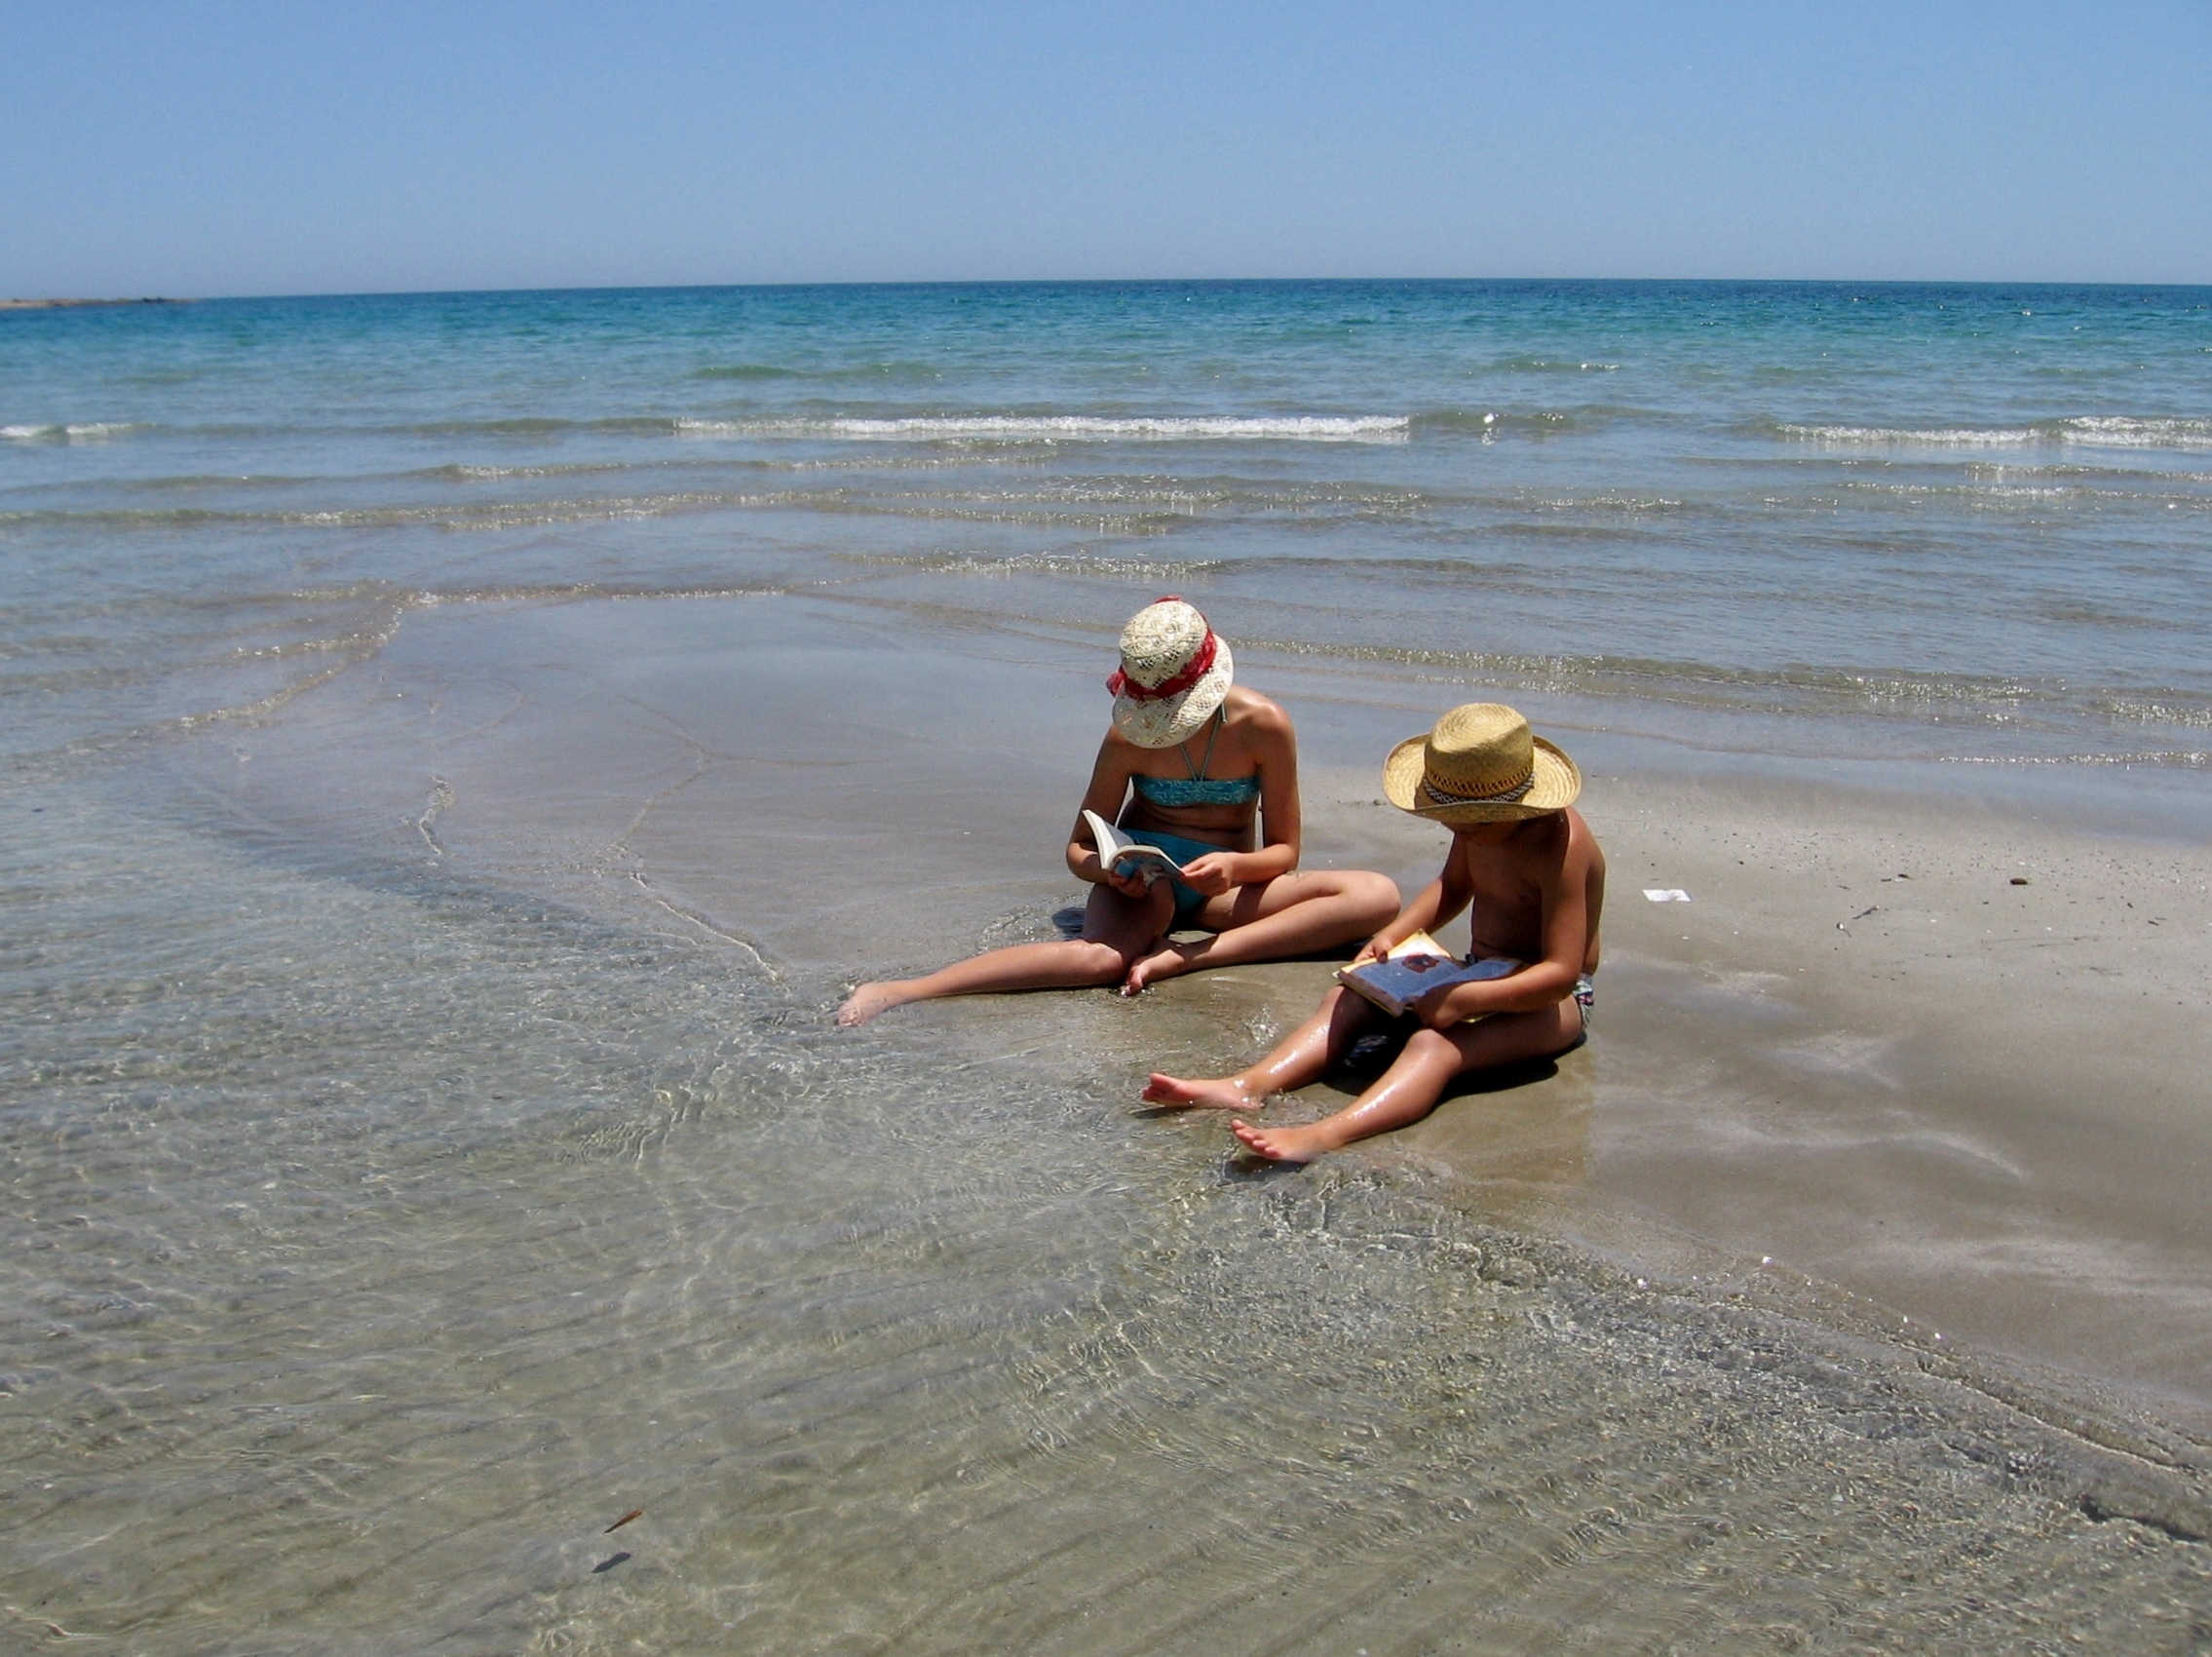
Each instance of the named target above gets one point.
<point>2088,431</point>
<point>1892,437</point>
<point>89,430</point>
<point>2119,432</point>
<point>1074,428</point>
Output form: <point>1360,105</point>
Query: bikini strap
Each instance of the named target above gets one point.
<point>1199,773</point>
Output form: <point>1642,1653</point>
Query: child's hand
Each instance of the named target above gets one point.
<point>1374,949</point>
<point>1211,875</point>
<point>1436,1008</point>
<point>1130,882</point>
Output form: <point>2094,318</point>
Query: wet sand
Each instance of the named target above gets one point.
<point>1862,1051</point>
<point>1859,1052</point>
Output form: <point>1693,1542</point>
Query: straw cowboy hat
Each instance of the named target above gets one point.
<point>1174,673</point>
<point>1481,764</point>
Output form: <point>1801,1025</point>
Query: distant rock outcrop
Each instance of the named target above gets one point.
<point>70,304</point>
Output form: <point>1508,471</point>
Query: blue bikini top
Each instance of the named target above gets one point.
<point>1196,791</point>
<point>1198,788</point>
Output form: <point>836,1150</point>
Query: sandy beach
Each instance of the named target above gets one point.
<point>1863,1052</point>
<point>1925,1048</point>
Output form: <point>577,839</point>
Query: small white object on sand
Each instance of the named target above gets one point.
<point>1666,893</point>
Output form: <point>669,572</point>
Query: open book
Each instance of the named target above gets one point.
<point>1414,967</point>
<point>1125,856</point>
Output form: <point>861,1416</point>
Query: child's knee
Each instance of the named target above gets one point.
<point>1377,895</point>
<point>1344,1009</point>
<point>1102,963</point>
<point>1433,1047</point>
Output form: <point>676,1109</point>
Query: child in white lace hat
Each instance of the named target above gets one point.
<point>1206,771</point>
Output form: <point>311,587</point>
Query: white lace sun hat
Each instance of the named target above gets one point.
<point>1175,672</point>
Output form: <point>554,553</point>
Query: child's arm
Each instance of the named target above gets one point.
<point>1436,904</point>
<point>1109,786</point>
<point>1543,983</point>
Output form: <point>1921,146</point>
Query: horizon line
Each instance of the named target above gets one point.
<point>75,302</point>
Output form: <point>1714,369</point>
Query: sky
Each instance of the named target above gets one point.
<point>210,149</point>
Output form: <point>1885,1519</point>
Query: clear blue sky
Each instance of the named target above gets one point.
<point>309,147</point>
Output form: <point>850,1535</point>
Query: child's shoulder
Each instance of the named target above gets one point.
<point>1578,851</point>
<point>1566,833</point>
<point>1257,714</point>
<point>1578,831</point>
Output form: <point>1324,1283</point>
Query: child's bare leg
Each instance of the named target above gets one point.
<point>1292,914</point>
<point>1304,1056</point>
<point>1116,931</point>
<point>1409,1089</point>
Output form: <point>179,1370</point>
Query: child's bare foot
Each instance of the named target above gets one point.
<point>869,999</point>
<point>1225,1092</point>
<point>1168,961</point>
<point>1282,1145</point>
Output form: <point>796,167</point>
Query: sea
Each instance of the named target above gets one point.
<point>412,1166</point>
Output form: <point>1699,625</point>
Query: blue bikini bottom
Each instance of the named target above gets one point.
<point>1188,901</point>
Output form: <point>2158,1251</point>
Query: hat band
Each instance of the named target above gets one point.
<point>1195,668</point>
<point>1505,796</point>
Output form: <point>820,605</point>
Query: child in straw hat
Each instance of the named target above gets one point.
<point>1525,861</point>
<point>1207,771</point>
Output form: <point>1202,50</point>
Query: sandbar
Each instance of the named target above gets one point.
<point>1926,1043</point>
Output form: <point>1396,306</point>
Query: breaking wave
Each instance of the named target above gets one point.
<point>1040,563</point>
<point>919,427</point>
<point>1991,702</point>
<point>490,515</point>
<point>89,430</point>
<point>2118,433</point>
<point>2087,431</point>
<point>1071,428</point>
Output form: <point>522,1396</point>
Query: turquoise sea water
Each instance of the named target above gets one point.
<point>1955,522</point>
<point>398,1191</point>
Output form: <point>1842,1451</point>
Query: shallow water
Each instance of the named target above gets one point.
<point>382,1238</point>
<point>425,1143</point>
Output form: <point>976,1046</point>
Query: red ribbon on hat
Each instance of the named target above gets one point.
<point>1192,670</point>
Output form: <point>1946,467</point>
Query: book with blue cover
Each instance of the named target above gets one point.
<point>1415,967</point>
